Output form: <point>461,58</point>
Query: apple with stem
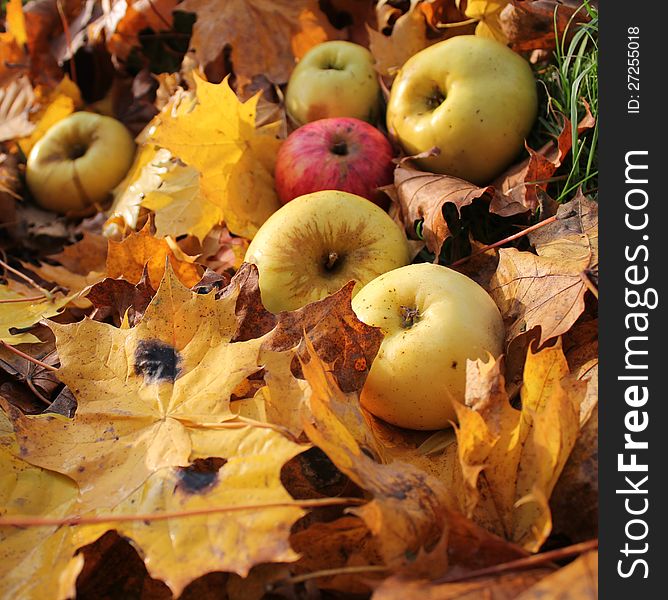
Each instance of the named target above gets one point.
<point>78,161</point>
<point>314,245</point>
<point>334,154</point>
<point>434,320</point>
<point>334,79</point>
<point>473,98</point>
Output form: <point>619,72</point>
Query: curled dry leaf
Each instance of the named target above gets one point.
<point>511,459</point>
<point>145,395</point>
<point>16,100</point>
<point>548,290</point>
<point>118,299</point>
<point>266,37</point>
<point>530,24</point>
<point>422,195</point>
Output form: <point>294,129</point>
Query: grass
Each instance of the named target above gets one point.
<point>570,81</point>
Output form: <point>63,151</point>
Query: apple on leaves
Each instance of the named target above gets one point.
<point>78,161</point>
<point>334,79</point>
<point>434,320</point>
<point>334,154</point>
<point>473,98</point>
<point>315,244</point>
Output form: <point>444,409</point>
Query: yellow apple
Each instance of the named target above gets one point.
<point>315,244</point>
<point>333,79</point>
<point>473,98</point>
<point>78,161</point>
<point>434,319</point>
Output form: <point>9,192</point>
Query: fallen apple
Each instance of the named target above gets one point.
<point>333,79</point>
<point>471,97</point>
<point>315,244</point>
<point>334,154</point>
<point>434,319</point>
<point>78,161</point>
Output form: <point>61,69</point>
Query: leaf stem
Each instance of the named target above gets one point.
<point>523,563</point>
<point>328,573</point>
<point>32,359</point>
<point>25,278</point>
<point>510,238</point>
<point>33,521</point>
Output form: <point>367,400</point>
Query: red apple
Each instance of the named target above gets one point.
<point>334,154</point>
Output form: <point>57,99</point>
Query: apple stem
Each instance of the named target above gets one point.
<point>409,316</point>
<point>332,259</point>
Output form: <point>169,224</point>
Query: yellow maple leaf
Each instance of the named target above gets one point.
<point>182,549</point>
<point>511,459</point>
<point>172,191</point>
<point>487,12</point>
<point>32,559</point>
<point>142,393</point>
<point>216,135</point>
<point>17,313</point>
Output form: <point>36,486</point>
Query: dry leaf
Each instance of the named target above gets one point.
<point>506,586</point>
<point>512,459</point>
<point>266,36</point>
<point>32,559</point>
<point>128,258</point>
<point>217,135</point>
<point>16,100</point>
<point>577,581</point>
<point>488,14</point>
<point>548,289</point>
<point>422,195</point>
<point>118,299</point>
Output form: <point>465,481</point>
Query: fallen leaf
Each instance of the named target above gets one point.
<point>16,100</point>
<point>118,298</point>
<point>548,290</point>
<point>217,136</point>
<point>506,586</point>
<point>128,258</point>
<point>511,459</point>
<point>172,191</point>
<point>577,581</point>
<point>51,106</point>
<point>32,559</point>
<point>246,473</point>
<point>265,37</point>
<point>423,195</point>
<point>530,25</point>
<point>18,315</point>
<point>488,14</point>
<point>148,396</point>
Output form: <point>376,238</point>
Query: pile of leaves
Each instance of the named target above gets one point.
<point>163,435</point>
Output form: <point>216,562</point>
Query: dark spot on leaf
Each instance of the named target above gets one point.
<point>201,476</point>
<point>157,361</point>
<point>454,364</point>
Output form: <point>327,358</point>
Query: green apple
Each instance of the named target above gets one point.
<point>333,79</point>
<point>473,98</point>
<point>78,161</point>
<point>315,244</point>
<point>434,320</point>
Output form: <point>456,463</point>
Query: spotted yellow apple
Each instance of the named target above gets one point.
<point>78,161</point>
<point>471,97</point>
<point>315,244</point>
<point>334,79</point>
<point>434,320</point>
